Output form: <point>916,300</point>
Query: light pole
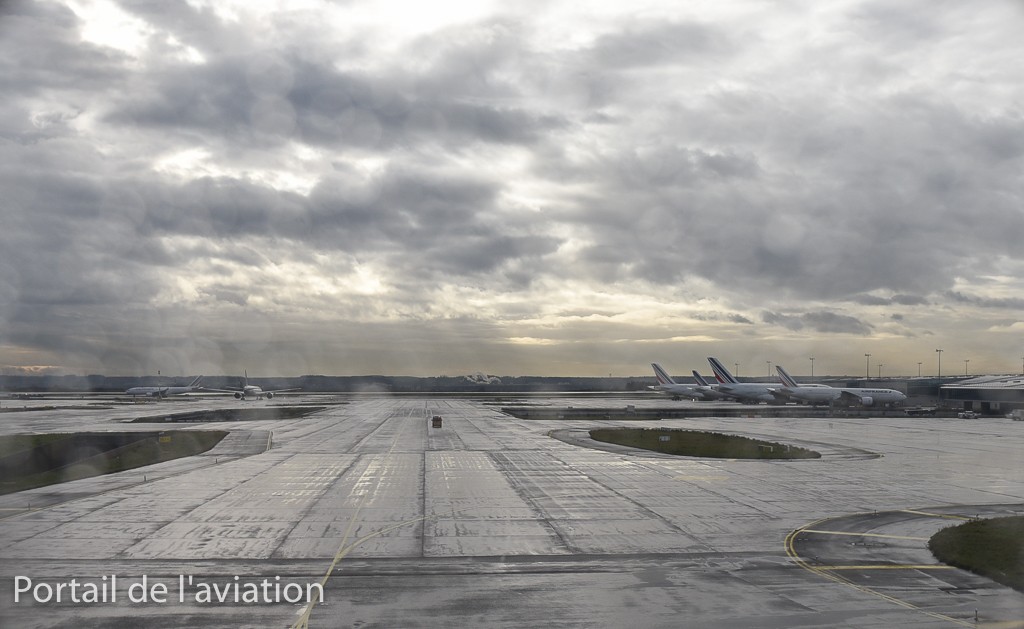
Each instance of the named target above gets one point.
<point>769,368</point>
<point>966,360</point>
<point>867,366</point>
<point>939,352</point>
<point>918,370</point>
<point>880,365</point>
<point>812,366</point>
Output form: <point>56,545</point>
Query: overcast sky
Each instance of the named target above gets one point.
<point>556,188</point>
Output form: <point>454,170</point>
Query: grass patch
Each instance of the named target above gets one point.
<point>29,461</point>
<point>700,444</point>
<point>992,548</point>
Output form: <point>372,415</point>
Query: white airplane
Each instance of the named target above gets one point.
<point>824,394</point>
<point>161,392</point>
<point>710,391</point>
<point>250,391</point>
<point>670,386</point>
<point>744,392</point>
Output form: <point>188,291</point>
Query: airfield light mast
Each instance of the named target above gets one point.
<point>867,366</point>
<point>939,351</point>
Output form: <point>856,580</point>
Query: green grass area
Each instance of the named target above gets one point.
<point>29,461</point>
<point>14,444</point>
<point>700,444</point>
<point>257,413</point>
<point>993,548</point>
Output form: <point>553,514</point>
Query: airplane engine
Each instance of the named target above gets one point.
<point>270,396</point>
<point>238,396</point>
<point>866,401</point>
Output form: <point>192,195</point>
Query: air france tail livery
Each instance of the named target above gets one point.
<point>670,386</point>
<point>710,391</point>
<point>824,394</point>
<point>162,392</point>
<point>745,392</point>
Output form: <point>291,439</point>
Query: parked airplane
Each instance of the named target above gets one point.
<point>250,391</point>
<point>745,392</point>
<point>709,390</point>
<point>824,394</point>
<point>161,392</point>
<point>670,386</point>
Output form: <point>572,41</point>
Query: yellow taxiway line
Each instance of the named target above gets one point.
<point>823,571</point>
<point>853,534</point>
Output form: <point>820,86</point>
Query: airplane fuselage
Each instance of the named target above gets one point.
<point>160,392</point>
<point>747,391</point>
<point>253,391</point>
<point>149,391</point>
<point>829,395</point>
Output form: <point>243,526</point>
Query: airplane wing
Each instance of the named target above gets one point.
<point>283,390</point>
<point>848,396</point>
<point>220,390</point>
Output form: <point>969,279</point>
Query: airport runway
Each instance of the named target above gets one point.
<point>489,521</point>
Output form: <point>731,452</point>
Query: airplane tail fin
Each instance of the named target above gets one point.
<point>787,379</point>
<point>699,379</point>
<point>721,373</point>
<point>195,383</point>
<point>662,375</point>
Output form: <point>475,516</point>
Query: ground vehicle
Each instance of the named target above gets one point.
<point>968,415</point>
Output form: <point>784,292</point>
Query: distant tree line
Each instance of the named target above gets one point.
<point>322,384</point>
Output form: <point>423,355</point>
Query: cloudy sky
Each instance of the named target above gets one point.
<point>531,188</point>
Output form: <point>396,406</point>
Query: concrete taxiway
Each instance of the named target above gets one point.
<point>500,522</point>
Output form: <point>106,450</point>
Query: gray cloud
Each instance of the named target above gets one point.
<point>1015,303</point>
<point>824,322</point>
<point>651,44</point>
<point>812,181</point>
<point>723,316</point>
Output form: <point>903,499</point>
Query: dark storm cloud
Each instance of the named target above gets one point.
<point>256,94</point>
<point>318,106</point>
<point>823,321</point>
<point>1014,303</point>
<point>869,217</point>
<point>723,316</point>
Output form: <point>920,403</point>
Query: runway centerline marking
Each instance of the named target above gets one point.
<point>343,548</point>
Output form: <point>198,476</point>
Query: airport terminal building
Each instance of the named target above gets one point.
<point>987,394</point>
<point>990,395</point>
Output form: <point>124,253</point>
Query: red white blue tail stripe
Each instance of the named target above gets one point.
<point>721,373</point>
<point>662,375</point>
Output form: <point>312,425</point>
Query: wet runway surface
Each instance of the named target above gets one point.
<point>491,521</point>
